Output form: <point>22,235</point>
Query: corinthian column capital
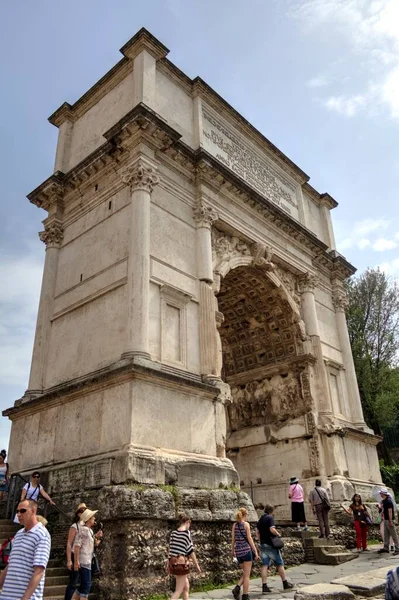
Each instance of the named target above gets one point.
<point>204,215</point>
<point>140,176</point>
<point>340,300</point>
<point>307,282</point>
<point>52,235</point>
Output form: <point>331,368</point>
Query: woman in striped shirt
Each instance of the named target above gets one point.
<point>244,551</point>
<point>182,545</point>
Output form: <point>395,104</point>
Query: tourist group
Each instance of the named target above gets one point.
<point>23,576</point>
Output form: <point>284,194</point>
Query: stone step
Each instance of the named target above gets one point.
<point>56,571</point>
<point>322,557</point>
<point>367,584</point>
<point>53,590</point>
<point>52,580</point>
<point>56,563</point>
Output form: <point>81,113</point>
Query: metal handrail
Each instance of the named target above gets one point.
<point>14,494</point>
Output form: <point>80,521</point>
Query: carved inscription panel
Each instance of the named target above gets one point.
<point>231,149</point>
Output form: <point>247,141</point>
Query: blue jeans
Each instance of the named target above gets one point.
<point>72,583</point>
<point>85,582</point>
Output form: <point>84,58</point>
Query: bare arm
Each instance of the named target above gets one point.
<point>3,576</point>
<point>349,510</point>
<point>38,573</point>
<point>71,537</point>
<point>23,495</point>
<point>250,540</point>
<point>46,496</point>
<point>195,561</point>
<point>233,539</point>
<point>274,531</point>
<point>390,515</point>
<point>76,558</point>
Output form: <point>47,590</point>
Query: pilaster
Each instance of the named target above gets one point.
<point>141,177</point>
<point>307,284</point>
<point>340,302</point>
<point>51,236</point>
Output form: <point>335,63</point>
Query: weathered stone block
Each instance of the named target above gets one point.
<point>324,591</point>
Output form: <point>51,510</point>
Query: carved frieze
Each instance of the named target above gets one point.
<point>225,247</point>
<point>268,401</point>
<point>140,176</point>
<point>290,282</point>
<point>52,235</point>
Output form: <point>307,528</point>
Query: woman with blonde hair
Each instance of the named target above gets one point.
<point>181,551</point>
<point>74,529</point>
<point>243,550</point>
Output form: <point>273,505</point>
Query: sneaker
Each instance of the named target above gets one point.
<point>245,597</point>
<point>306,528</point>
<point>298,528</point>
<point>321,536</point>
<point>265,588</point>
<point>236,592</point>
<point>383,551</point>
<point>366,550</point>
<point>396,552</point>
<point>287,585</point>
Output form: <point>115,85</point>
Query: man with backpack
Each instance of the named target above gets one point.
<point>320,503</point>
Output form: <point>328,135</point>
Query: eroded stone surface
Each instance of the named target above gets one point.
<point>324,591</point>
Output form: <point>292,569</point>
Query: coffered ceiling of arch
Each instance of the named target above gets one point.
<point>257,329</point>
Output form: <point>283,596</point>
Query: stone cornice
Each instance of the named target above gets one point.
<point>52,189</point>
<point>144,40</point>
<point>72,112</point>
<point>321,199</point>
<point>143,125</point>
<point>113,374</point>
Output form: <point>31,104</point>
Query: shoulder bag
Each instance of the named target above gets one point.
<point>325,501</point>
<point>277,542</point>
<point>179,565</point>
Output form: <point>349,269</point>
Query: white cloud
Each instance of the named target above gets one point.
<point>358,232</point>
<point>381,245</point>
<point>19,297</point>
<point>318,82</point>
<point>369,29</point>
<point>348,106</point>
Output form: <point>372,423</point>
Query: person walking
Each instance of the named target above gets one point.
<point>74,529</point>
<point>360,521</point>
<point>84,546</point>
<point>181,544</point>
<point>23,577</point>
<point>320,504</point>
<point>33,490</point>
<point>244,550</point>
<point>388,511</point>
<point>297,504</point>
<point>4,475</point>
<point>266,530</point>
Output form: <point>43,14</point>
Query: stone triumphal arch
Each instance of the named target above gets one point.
<point>192,299</point>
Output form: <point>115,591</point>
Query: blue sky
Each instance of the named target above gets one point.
<point>319,78</point>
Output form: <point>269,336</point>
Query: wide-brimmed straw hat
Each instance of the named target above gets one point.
<point>88,514</point>
<point>294,480</point>
<point>80,506</point>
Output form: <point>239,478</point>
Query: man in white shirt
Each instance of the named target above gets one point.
<point>23,578</point>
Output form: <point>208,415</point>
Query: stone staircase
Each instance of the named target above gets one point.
<point>56,572</point>
<point>323,551</point>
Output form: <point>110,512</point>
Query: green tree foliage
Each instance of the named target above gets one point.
<point>373,325</point>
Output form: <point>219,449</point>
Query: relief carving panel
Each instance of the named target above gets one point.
<point>273,399</point>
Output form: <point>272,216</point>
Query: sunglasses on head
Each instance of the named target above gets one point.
<point>21,510</point>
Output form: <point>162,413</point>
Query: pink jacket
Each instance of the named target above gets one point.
<point>296,492</point>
